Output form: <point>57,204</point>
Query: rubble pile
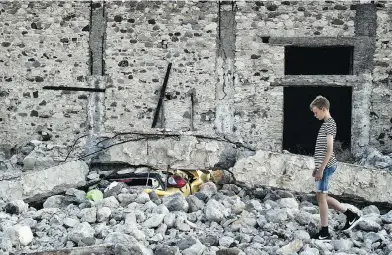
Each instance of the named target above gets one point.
<point>225,220</point>
<point>371,157</point>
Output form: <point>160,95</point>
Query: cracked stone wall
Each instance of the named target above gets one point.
<point>381,97</point>
<point>142,38</point>
<point>258,105</point>
<point>43,43</point>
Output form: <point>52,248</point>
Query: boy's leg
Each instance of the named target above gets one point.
<point>322,198</point>
<point>323,207</point>
<point>352,218</point>
<point>335,204</point>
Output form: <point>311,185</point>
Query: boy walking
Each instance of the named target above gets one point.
<point>325,162</point>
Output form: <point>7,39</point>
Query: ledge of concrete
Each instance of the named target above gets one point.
<point>294,172</point>
<point>313,41</point>
<point>319,80</point>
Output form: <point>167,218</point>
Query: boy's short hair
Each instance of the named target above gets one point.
<point>320,102</point>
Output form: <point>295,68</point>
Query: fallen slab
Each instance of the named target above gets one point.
<point>87,250</point>
<point>294,172</point>
<point>54,180</point>
<point>37,185</point>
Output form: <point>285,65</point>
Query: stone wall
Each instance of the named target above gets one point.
<point>43,44</point>
<point>258,105</point>
<point>227,74</point>
<point>142,39</point>
<point>381,98</point>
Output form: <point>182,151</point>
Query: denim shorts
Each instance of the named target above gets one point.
<point>322,185</point>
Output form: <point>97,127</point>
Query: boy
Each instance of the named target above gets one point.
<point>325,162</point>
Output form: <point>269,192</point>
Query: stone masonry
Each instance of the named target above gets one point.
<point>227,77</point>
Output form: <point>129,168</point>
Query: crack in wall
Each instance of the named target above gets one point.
<point>226,45</point>
<point>97,80</point>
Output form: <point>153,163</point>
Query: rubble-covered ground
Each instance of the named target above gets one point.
<point>225,221</point>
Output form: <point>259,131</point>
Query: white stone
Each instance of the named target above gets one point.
<point>25,235</point>
<point>103,214</point>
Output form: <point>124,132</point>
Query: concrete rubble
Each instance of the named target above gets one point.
<point>228,219</point>
<point>36,185</point>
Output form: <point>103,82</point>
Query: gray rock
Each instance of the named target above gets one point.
<point>71,222</point>
<point>231,187</point>
<point>80,232</point>
<point>154,220</point>
<point>126,198</point>
<point>210,240</point>
<point>214,211</point>
<point>254,204</point>
<point>290,248</point>
<point>194,203</point>
<point>160,209</point>
<point>57,201</point>
<point>303,218</point>
<point>5,242</point>
<point>369,225</point>
<point>114,189</point>
<point>103,214</point>
<point>342,245</point>
<point>285,194</point>
<point>288,203</point>
<point>120,238</point>
<point>209,189</point>
<point>276,215</point>
<point>37,161</point>
<point>176,202</point>
<point>302,235</point>
<point>8,171</point>
<point>16,207</point>
<point>186,243</point>
<point>387,218</point>
<point>226,241</point>
<point>142,198</point>
<point>110,202</point>
<point>203,197</point>
<point>196,249</point>
<point>370,209</point>
<point>166,250</point>
<point>80,195</point>
<point>169,220</point>
<point>310,251</point>
<point>373,237</point>
<point>89,215</point>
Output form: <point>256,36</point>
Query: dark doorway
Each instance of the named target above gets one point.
<point>300,127</point>
<point>327,60</point>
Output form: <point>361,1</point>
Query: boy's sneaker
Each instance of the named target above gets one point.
<point>322,236</point>
<point>351,221</point>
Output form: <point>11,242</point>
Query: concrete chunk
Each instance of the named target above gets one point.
<point>54,180</point>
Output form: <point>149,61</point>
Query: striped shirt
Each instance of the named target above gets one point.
<point>327,128</point>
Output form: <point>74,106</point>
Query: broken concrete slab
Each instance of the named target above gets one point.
<point>54,180</point>
<point>37,185</point>
<point>182,152</point>
<point>294,172</point>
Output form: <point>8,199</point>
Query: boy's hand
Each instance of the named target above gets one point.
<point>319,175</point>
<point>314,172</point>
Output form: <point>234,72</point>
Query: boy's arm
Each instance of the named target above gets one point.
<point>329,152</point>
